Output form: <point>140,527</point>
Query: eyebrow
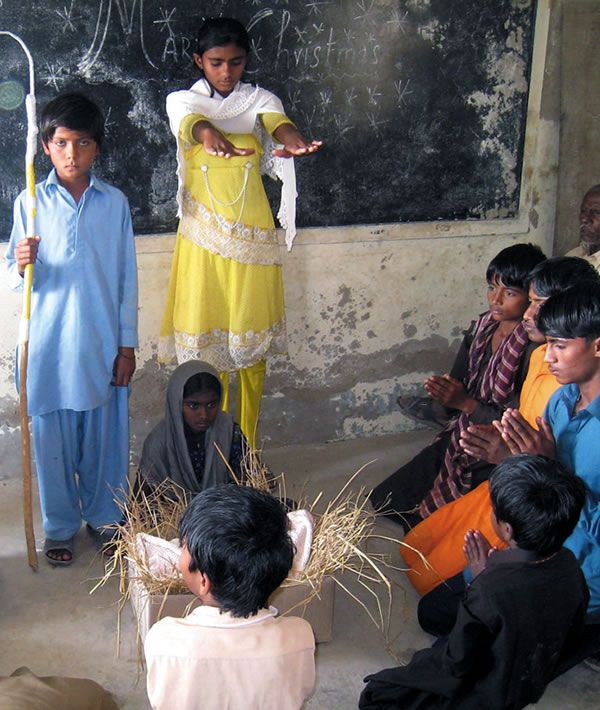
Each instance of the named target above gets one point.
<point>222,59</point>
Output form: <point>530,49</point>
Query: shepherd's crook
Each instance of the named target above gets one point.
<point>24,328</point>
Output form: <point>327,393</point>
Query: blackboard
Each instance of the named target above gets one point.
<point>421,103</point>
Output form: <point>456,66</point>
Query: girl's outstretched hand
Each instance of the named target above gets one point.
<point>215,143</point>
<point>294,143</point>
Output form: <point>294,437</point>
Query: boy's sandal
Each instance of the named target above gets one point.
<point>104,539</point>
<point>60,548</point>
<point>424,410</point>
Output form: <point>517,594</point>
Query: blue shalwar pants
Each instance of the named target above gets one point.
<point>82,461</point>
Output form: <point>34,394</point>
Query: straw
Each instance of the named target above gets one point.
<point>340,536</point>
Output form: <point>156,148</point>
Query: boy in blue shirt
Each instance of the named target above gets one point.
<point>570,428</point>
<point>83,329</point>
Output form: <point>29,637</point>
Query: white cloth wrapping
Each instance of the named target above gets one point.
<point>162,556</point>
<point>237,113</point>
<point>301,531</point>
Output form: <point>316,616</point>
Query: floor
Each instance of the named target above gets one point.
<point>50,622</point>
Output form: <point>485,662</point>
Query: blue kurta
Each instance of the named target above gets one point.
<point>577,440</point>
<point>84,299</point>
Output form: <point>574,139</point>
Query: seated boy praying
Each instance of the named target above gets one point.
<point>522,613</point>
<point>233,651</point>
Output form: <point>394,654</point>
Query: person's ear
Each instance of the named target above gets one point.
<point>507,531</point>
<point>204,584</point>
<point>45,148</point>
<point>597,347</point>
<point>198,61</point>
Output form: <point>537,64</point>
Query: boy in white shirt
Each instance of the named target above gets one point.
<point>232,652</point>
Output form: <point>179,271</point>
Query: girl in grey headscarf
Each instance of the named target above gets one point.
<point>181,447</point>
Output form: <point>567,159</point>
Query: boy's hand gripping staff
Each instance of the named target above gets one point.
<point>30,151</point>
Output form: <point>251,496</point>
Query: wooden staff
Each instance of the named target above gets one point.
<point>24,327</point>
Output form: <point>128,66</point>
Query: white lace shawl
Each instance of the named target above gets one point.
<point>237,113</point>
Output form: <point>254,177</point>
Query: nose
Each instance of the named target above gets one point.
<point>497,296</point>
<point>531,313</point>
<point>71,149</point>
<point>549,356</point>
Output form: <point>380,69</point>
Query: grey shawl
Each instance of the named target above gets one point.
<point>165,452</point>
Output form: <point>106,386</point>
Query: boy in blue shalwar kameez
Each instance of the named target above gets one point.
<point>83,329</point>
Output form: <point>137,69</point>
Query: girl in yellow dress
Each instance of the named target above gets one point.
<point>225,299</point>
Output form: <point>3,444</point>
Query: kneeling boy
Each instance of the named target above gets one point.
<point>232,652</point>
<point>522,612</point>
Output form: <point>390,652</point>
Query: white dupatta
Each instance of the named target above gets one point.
<point>237,113</point>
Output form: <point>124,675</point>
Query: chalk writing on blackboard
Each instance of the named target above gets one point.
<point>421,104</point>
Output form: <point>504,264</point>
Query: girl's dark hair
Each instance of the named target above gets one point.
<point>560,273</point>
<point>238,536</point>
<point>513,265</point>
<point>539,498</point>
<point>75,112</point>
<point>221,31</point>
<point>202,382</point>
<point>574,313</point>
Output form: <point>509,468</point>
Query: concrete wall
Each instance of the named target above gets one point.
<point>371,310</point>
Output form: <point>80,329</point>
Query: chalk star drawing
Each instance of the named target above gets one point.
<point>294,99</point>
<point>350,34</point>
<point>53,75</point>
<point>373,94</point>
<point>350,96</point>
<point>342,125</point>
<point>102,23</point>
<point>325,98</point>
<point>66,15</point>
<point>364,9</point>
<point>108,123</point>
<point>313,6</point>
<point>165,21</point>
<point>374,123</point>
<point>300,34</point>
<point>308,119</point>
<point>402,91</point>
<point>319,28</point>
<point>400,23</point>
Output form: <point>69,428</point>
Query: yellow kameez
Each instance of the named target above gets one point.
<point>225,300</point>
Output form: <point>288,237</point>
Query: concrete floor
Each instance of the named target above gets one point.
<point>49,621</point>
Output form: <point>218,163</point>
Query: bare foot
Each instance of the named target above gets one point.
<point>477,549</point>
<point>60,555</point>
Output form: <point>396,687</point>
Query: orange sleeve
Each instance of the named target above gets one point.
<point>433,549</point>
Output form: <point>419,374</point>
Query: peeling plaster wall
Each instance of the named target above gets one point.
<point>371,310</point>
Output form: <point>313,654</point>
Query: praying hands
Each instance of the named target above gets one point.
<point>522,438</point>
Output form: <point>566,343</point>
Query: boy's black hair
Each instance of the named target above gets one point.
<point>221,31</point>
<point>238,536</point>
<point>513,265</point>
<point>560,273</point>
<point>202,382</point>
<point>572,314</point>
<point>540,498</point>
<point>74,111</point>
